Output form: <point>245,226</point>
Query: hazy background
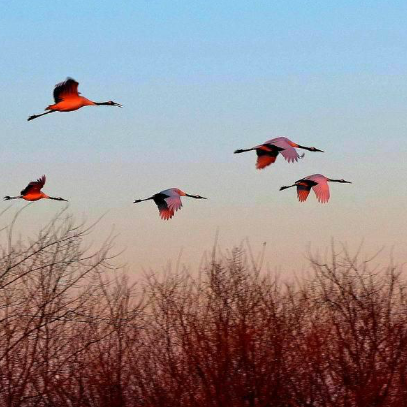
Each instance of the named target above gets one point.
<point>197,81</point>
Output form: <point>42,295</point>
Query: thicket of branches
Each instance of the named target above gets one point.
<point>230,336</point>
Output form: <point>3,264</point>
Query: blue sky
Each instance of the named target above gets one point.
<point>199,80</point>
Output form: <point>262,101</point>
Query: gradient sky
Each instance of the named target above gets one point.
<point>199,79</point>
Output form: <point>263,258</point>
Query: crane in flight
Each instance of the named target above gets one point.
<point>319,184</point>
<point>269,150</point>
<point>169,201</point>
<point>67,99</point>
<point>32,192</point>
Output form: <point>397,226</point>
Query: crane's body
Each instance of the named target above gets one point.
<point>169,201</point>
<point>67,99</point>
<point>71,104</point>
<point>318,183</point>
<point>32,192</point>
<point>268,151</point>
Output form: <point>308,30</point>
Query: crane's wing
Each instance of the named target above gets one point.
<point>160,200</point>
<point>174,202</point>
<point>165,213</point>
<point>65,90</point>
<point>34,186</point>
<point>289,153</point>
<point>266,155</point>
<point>321,188</point>
<point>303,192</point>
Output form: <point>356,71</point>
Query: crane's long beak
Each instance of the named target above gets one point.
<point>321,151</point>
<point>117,104</point>
<point>196,196</point>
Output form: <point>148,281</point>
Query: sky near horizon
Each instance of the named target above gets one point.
<point>198,80</point>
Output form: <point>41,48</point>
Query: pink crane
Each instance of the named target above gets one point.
<point>318,182</point>
<point>169,201</point>
<point>269,150</point>
<point>32,192</point>
<point>67,99</point>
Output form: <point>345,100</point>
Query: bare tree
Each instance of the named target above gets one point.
<point>74,333</point>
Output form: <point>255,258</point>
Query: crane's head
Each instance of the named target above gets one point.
<point>196,196</point>
<point>111,103</point>
<point>342,181</point>
<point>309,148</point>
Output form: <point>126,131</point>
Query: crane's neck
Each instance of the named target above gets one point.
<point>305,148</point>
<point>57,198</point>
<point>109,103</point>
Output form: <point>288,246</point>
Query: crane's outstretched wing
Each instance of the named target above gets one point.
<point>65,90</point>
<point>266,155</point>
<point>321,188</point>
<point>174,203</point>
<point>303,192</point>
<point>160,200</point>
<point>34,186</point>
<point>322,192</point>
<point>289,152</point>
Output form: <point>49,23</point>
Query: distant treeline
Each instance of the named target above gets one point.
<point>230,336</point>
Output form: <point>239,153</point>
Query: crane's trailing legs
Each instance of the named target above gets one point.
<point>141,200</point>
<point>242,150</point>
<point>8,198</point>
<point>285,187</point>
<point>34,116</point>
